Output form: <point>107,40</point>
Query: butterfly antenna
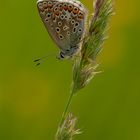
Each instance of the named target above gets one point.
<point>41,60</point>
<point>37,61</point>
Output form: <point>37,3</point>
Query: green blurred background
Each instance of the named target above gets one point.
<point>32,98</point>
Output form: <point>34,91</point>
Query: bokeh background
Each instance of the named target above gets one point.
<point>32,98</point>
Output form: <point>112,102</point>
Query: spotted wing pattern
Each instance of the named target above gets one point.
<point>65,22</point>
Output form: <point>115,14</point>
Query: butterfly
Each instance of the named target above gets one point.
<point>65,21</point>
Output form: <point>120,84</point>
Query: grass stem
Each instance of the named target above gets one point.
<point>67,105</point>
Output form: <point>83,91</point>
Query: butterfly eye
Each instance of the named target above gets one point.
<point>62,55</point>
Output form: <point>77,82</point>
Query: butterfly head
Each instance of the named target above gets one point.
<point>68,53</point>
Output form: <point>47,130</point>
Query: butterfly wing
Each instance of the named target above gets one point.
<point>64,20</point>
<point>79,16</point>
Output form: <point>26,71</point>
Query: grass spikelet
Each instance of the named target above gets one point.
<point>85,66</point>
<point>68,129</point>
<point>84,63</point>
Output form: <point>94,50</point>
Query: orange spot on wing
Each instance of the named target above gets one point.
<point>70,8</point>
<point>81,15</point>
<point>75,10</point>
<point>65,7</point>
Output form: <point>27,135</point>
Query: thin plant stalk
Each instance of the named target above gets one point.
<point>67,106</point>
<point>85,65</point>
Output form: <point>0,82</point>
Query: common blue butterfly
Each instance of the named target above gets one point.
<point>65,22</point>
